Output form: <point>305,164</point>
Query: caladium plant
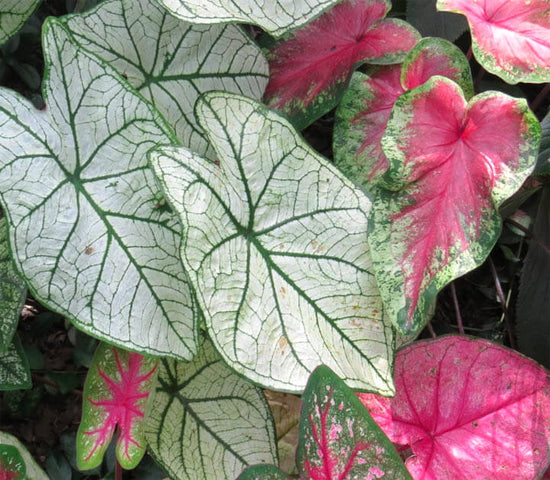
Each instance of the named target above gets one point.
<point>274,242</point>
<point>451,164</point>
<point>310,69</point>
<point>115,395</point>
<point>509,38</point>
<point>362,116</point>
<point>338,438</point>
<point>467,408</point>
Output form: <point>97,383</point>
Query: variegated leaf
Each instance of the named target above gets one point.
<point>275,16</point>
<point>207,422</point>
<point>274,243</point>
<point>86,227</point>
<point>13,15</point>
<point>169,61</point>
<point>14,368</point>
<point>16,463</point>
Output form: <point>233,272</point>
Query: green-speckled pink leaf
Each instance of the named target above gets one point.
<point>311,68</point>
<point>510,38</point>
<point>467,409</point>
<point>115,396</point>
<point>363,114</point>
<point>338,437</point>
<point>452,163</point>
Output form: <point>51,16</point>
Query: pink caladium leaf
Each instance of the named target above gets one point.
<point>510,38</point>
<point>338,438</point>
<point>363,113</point>
<point>451,164</point>
<point>311,68</point>
<point>115,398</point>
<point>467,408</point>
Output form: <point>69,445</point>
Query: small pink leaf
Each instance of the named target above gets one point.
<point>310,69</point>
<point>365,109</point>
<point>451,165</point>
<point>115,395</point>
<point>338,438</point>
<point>510,38</point>
<point>467,409</point>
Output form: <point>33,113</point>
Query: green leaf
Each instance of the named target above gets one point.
<point>263,472</point>
<point>339,438</point>
<point>115,397</point>
<point>533,304</point>
<point>12,449</point>
<point>276,16</point>
<point>274,243</point>
<point>12,291</point>
<point>174,62</point>
<point>86,231</point>
<point>423,15</point>
<point>206,422</point>
<point>13,15</point>
<point>15,373</point>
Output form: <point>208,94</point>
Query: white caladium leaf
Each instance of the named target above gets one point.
<point>274,243</point>
<point>14,368</point>
<point>13,15</point>
<point>173,62</point>
<point>12,291</point>
<point>275,16</point>
<point>86,228</point>
<point>16,463</point>
<point>203,410</point>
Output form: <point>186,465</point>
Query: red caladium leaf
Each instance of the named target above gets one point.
<point>467,408</point>
<point>451,165</point>
<point>510,38</point>
<point>338,438</point>
<point>115,396</point>
<point>363,114</point>
<point>310,69</point>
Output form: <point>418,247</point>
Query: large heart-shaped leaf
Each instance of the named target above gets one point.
<point>206,422</point>
<point>86,228</point>
<point>174,62</point>
<point>13,15</point>
<point>115,395</point>
<point>274,243</point>
<point>363,114</point>
<point>12,291</point>
<point>338,437</point>
<point>509,38</point>
<point>275,16</point>
<point>467,408</point>
<point>311,68</point>
<point>15,373</point>
<point>16,463</point>
<point>451,166</point>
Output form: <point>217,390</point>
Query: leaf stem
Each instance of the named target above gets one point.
<point>457,310</point>
<point>503,302</point>
<point>118,470</point>
<point>469,54</point>
<point>431,329</point>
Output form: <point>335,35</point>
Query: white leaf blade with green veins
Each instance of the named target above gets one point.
<point>13,15</point>
<point>274,243</point>
<point>275,16</point>
<point>207,422</point>
<point>86,230</point>
<point>169,61</point>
